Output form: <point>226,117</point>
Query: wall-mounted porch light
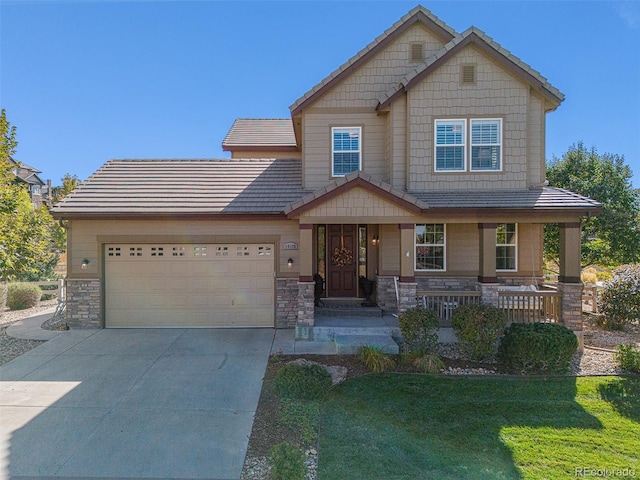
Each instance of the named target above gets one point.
<point>85,263</point>
<point>290,263</point>
<point>375,240</point>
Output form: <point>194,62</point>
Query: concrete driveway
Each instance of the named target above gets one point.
<point>153,403</point>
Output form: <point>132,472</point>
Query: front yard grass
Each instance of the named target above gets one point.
<point>394,426</point>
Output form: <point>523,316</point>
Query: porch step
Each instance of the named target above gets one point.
<point>351,344</point>
<point>347,311</point>
<point>326,329</point>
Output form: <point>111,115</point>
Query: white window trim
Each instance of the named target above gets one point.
<point>514,245</point>
<point>471,145</point>
<point>333,129</point>
<point>443,245</point>
<point>464,145</point>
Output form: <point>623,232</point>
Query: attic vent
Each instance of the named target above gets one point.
<point>417,53</point>
<point>468,74</point>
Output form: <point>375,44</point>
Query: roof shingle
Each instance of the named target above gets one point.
<point>260,132</point>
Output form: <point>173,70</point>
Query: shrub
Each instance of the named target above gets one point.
<point>478,327</point>
<point>23,295</point>
<point>287,462</point>
<point>537,348</point>
<point>301,416</point>
<point>429,363</point>
<point>628,358</point>
<point>3,297</point>
<point>375,359</point>
<point>620,297</point>
<point>302,382</point>
<point>419,328</point>
<point>589,275</point>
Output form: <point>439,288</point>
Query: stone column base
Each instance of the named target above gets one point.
<point>306,311</point>
<point>489,293</point>
<point>84,303</point>
<point>407,296</point>
<point>572,308</point>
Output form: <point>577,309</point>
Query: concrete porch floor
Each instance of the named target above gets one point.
<point>327,328</point>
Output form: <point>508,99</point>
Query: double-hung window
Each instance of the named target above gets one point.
<point>450,145</point>
<point>430,246</point>
<point>486,144</point>
<point>346,150</point>
<point>507,247</point>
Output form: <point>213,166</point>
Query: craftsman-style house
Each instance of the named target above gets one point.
<point>419,165</point>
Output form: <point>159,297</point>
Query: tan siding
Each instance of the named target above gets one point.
<point>462,249</point>
<point>535,142</point>
<point>496,94</point>
<point>374,79</point>
<point>529,249</point>
<point>389,250</point>
<point>86,236</point>
<point>317,145</point>
<point>266,154</point>
<point>398,178</point>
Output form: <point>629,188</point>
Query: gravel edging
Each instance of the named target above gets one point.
<point>10,347</point>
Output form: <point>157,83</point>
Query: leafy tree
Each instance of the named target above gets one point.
<point>26,233</point>
<point>613,237</point>
<point>69,183</point>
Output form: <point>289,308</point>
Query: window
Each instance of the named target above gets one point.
<point>486,140</point>
<point>430,246</point>
<point>450,145</point>
<point>507,247</point>
<point>346,147</point>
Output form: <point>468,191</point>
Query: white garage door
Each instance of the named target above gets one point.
<point>172,285</point>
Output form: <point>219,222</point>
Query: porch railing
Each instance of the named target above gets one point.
<point>518,306</point>
<point>444,302</point>
<point>530,307</point>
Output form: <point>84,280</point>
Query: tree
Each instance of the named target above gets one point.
<point>613,237</point>
<point>26,233</point>
<point>69,183</point>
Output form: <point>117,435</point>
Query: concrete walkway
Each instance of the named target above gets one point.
<point>31,328</point>
<point>132,403</point>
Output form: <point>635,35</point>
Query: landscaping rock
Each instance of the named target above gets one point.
<point>337,372</point>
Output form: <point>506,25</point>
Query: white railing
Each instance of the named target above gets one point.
<point>445,301</point>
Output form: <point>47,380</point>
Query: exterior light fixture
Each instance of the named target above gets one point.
<point>85,263</point>
<point>375,240</point>
<point>290,263</point>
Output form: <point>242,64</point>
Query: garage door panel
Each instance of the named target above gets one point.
<point>189,285</point>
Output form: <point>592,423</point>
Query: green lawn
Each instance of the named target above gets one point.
<point>437,427</point>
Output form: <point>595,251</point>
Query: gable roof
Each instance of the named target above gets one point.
<point>185,187</point>
<point>353,180</point>
<point>418,14</point>
<point>248,134</point>
<point>475,36</point>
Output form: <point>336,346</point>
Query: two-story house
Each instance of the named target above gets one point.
<point>418,164</point>
<point>25,174</point>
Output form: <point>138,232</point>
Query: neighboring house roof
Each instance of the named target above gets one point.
<point>26,173</point>
<point>418,14</point>
<point>186,187</point>
<point>274,134</point>
<point>487,45</point>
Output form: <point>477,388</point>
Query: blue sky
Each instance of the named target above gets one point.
<point>87,81</point>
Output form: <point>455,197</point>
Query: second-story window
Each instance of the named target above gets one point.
<point>346,150</point>
<point>450,144</point>
<point>486,144</point>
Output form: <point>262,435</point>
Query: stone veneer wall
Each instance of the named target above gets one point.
<point>447,283</point>
<point>286,302</point>
<point>385,294</point>
<point>572,308</point>
<point>83,303</point>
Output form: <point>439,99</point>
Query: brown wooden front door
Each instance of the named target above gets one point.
<point>342,260</point>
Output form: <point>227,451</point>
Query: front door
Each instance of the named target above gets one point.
<point>342,260</point>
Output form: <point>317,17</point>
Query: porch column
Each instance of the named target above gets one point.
<point>487,276</point>
<point>569,283</point>
<point>306,314</point>
<point>407,284</point>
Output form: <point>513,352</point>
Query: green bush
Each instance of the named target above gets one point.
<point>537,348</point>
<point>375,359</point>
<point>301,416</point>
<point>302,382</point>
<point>429,363</point>
<point>620,297</point>
<point>419,328</point>
<point>287,462</point>
<point>478,327</point>
<point>628,358</point>
<point>23,295</point>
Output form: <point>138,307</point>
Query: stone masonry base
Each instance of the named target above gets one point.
<point>83,303</point>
